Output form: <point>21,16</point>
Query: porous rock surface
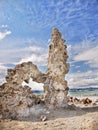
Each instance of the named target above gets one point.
<point>17,101</point>
<point>55,86</point>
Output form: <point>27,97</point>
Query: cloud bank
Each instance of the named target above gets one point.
<point>4,34</point>
<point>83,57</point>
<point>34,85</point>
<point>89,56</point>
<point>83,79</point>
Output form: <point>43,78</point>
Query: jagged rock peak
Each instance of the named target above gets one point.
<point>56,37</point>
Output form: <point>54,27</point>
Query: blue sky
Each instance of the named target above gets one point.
<point>25,31</point>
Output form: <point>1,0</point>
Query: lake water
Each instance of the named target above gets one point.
<point>77,93</point>
<point>81,93</point>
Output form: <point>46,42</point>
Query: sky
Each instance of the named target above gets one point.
<point>25,32</point>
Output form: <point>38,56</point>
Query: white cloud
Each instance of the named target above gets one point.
<point>84,45</point>
<point>90,56</point>
<point>39,60</point>
<point>36,54</point>
<point>4,34</point>
<point>83,79</point>
<point>34,85</point>
<point>85,52</point>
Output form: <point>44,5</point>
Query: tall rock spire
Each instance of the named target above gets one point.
<point>55,87</point>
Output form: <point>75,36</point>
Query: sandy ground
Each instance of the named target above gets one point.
<point>72,118</point>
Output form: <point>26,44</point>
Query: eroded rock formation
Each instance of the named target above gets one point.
<point>17,101</point>
<point>22,72</point>
<point>55,86</point>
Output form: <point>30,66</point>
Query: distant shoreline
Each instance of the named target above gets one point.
<point>90,88</point>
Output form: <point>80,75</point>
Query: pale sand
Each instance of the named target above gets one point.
<point>62,119</point>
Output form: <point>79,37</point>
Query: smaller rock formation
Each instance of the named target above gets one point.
<point>83,101</point>
<point>15,100</point>
<point>23,72</point>
<point>43,118</point>
<point>55,86</point>
<point>86,101</point>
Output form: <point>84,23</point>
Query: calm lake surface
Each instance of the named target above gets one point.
<point>77,93</point>
<point>85,92</point>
